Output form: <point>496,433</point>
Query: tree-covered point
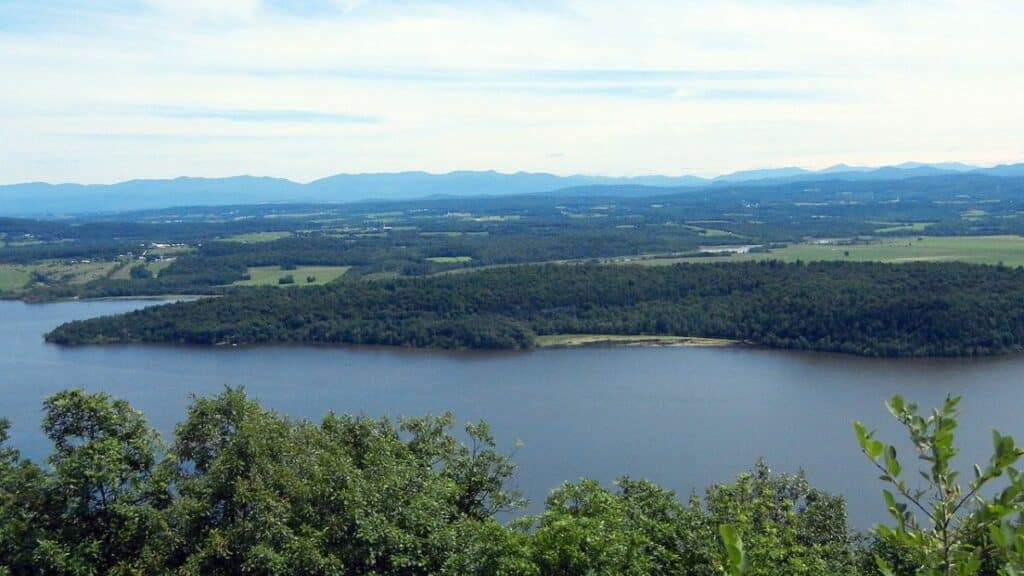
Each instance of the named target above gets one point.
<point>859,308</point>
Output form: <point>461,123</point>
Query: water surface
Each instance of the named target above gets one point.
<point>683,417</point>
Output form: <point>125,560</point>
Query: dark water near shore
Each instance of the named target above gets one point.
<point>683,417</point>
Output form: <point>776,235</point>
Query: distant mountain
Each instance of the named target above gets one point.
<point>845,168</point>
<point>947,166</point>
<point>763,174</point>
<point>38,198</point>
<point>41,199</point>
<point>863,173</point>
<point>403,185</point>
<point>1005,170</point>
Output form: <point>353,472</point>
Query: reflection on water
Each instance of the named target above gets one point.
<point>683,417</point>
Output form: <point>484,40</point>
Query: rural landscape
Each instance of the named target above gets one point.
<point>553,288</point>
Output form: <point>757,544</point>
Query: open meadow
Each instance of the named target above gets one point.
<point>271,275</point>
<point>1005,249</point>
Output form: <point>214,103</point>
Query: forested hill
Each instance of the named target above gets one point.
<point>859,308</point>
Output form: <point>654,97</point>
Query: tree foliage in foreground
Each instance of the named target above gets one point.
<point>243,490</point>
<point>947,527</point>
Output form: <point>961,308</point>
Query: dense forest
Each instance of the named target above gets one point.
<point>243,490</point>
<point>919,309</point>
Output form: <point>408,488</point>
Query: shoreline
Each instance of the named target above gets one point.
<point>639,340</point>
<point>153,298</point>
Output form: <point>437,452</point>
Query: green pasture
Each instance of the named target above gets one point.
<point>256,237</point>
<point>971,249</point>
<point>450,259</point>
<point>270,275</point>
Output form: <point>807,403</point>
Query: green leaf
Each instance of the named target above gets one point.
<point>892,465</point>
<point>874,449</point>
<point>738,563</point>
<point>884,567</point>
<point>895,405</point>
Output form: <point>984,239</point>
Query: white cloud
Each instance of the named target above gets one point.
<point>575,86</point>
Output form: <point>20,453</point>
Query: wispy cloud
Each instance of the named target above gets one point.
<point>31,16</point>
<point>310,8</point>
<point>624,83</point>
<point>262,115</point>
<point>729,94</point>
<point>514,75</point>
<point>100,90</point>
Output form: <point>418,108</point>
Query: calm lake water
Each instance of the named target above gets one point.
<point>683,417</point>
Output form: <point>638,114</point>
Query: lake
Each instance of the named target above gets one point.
<point>683,417</point>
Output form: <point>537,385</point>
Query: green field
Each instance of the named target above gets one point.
<point>269,275</point>
<point>256,237</point>
<point>709,232</point>
<point>450,259</point>
<point>972,249</point>
<point>125,272</point>
<point>13,278</point>
<point>73,272</point>
<point>896,227</point>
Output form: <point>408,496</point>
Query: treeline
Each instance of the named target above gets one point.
<point>239,489</point>
<point>243,490</point>
<point>914,309</point>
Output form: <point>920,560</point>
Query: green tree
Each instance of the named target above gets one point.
<point>786,525</point>
<point>103,500</point>
<point>946,528</point>
<point>22,501</point>
<point>263,494</point>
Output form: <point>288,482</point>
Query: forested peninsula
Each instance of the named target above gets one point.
<point>918,309</point>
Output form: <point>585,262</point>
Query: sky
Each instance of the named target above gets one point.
<point>99,91</point>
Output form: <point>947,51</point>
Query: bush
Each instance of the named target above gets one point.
<point>140,272</point>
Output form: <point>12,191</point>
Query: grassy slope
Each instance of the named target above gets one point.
<point>971,249</point>
<point>449,259</point>
<point>125,272</point>
<point>256,237</point>
<point>269,275</point>
<point>13,278</point>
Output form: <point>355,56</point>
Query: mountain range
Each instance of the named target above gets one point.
<point>43,199</point>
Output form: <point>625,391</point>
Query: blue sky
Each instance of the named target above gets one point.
<point>108,90</point>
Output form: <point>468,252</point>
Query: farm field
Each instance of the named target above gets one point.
<point>12,278</point>
<point>971,249</point>
<point>257,237</point>
<point>124,273</point>
<point>73,273</point>
<point>270,275</point>
<point>708,232</point>
<point>897,227</point>
<point>450,259</point>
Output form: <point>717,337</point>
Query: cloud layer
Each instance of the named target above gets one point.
<point>106,90</point>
